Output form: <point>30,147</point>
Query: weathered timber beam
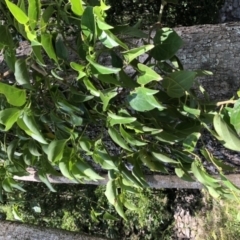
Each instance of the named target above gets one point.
<point>155,181</point>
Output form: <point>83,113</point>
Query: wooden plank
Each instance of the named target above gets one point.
<point>155,181</point>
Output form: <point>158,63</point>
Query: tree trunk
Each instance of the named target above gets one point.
<point>19,231</point>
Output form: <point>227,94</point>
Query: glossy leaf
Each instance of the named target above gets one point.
<point>14,96</point>
<point>136,52</point>
<point>107,41</point>
<point>111,192</point>
<point>55,150</point>
<point>190,141</point>
<point>77,7</point>
<point>163,158</point>
<point>130,139</point>
<point>86,169</point>
<point>116,137</point>
<point>9,116</point>
<point>142,100</point>
<point>100,69</point>
<point>228,136</point>
<point>116,119</point>
<point>18,14</point>
<point>147,75</point>
<point>177,83</point>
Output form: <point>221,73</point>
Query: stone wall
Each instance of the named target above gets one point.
<point>215,48</point>
<point>230,11</point>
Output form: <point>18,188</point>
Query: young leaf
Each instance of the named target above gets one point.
<point>116,119</point>
<point>106,95</point>
<point>136,52</point>
<point>108,216</point>
<point>116,137</point>
<point>18,14</point>
<point>77,7</point>
<point>229,137</point>
<point>177,83</point>
<point>14,96</point>
<point>107,41</point>
<point>55,150</point>
<point>147,75</point>
<point>111,192</point>
<point>9,116</point>
<point>91,87</point>
<point>100,69</point>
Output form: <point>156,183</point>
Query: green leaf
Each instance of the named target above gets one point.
<point>163,158</point>
<point>193,111</point>
<point>55,150</point>
<point>21,72</point>
<point>167,43</point>
<point>88,24</point>
<point>107,41</point>
<point>177,83</point>
<point>77,7</point>
<point>111,192</point>
<point>100,69</point>
<point>108,79</point>
<point>15,96</point>
<point>108,216</point>
<point>190,141</point>
<point>18,14</point>
<point>33,149</point>
<point>136,52</point>
<point>9,116</point>
<point>79,68</point>
<point>43,177</point>
<point>142,100</point>
<point>116,137</point>
<point>203,177</point>
<point>86,169</point>
<point>103,25</point>
<point>183,175</point>
<point>106,95</point>
<point>130,139</point>
<point>126,81</point>
<point>91,87</point>
<point>46,41</point>
<point>32,126</point>
<point>235,116</point>
<point>147,75</point>
<point>65,169</point>
<point>116,119</point>
<point>228,136</point>
<point>34,11</point>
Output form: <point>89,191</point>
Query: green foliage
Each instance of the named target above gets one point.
<point>61,113</point>
<point>86,209</point>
